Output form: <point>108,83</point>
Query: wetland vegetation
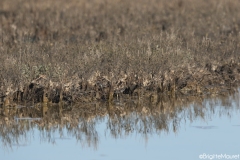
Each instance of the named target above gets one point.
<point>104,50</point>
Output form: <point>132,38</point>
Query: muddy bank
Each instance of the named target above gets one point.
<point>185,81</point>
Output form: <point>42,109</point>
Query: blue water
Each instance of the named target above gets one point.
<point>215,133</point>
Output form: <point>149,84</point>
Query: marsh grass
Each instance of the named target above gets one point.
<point>167,45</point>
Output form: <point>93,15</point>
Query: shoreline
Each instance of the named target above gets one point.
<point>212,80</point>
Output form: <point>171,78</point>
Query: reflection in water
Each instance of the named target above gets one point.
<point>205,127</point>
<point>122,118</point>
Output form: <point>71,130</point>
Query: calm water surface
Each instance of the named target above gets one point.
<point>180,129</point>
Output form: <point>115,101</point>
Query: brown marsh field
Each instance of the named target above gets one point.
<point>97,50</point>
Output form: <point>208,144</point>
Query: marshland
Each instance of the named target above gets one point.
<point>67,65</point>
<point>81,51</point>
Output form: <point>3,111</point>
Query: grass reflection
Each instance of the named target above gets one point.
<point>123,118</point>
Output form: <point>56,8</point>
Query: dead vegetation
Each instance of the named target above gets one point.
<point>81,51</point>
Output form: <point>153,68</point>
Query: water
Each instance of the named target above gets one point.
<point>188,129</point>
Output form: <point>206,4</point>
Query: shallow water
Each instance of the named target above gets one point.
<point>201,129</point>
